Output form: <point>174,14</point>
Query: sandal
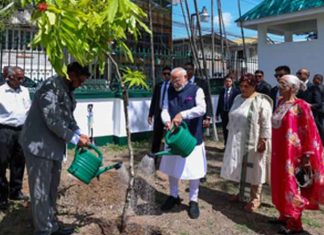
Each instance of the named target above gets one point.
<point>252,206</point>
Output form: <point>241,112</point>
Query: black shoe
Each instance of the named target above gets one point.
<point>284,230</point>
<point>193,210</point>
<point>19,196</point>
<point>203,180</point>
<point>276,221</point>
<point>170,203</point>
<point>4,205</point>
<point>63,231</point>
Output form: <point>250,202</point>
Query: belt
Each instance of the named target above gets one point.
<point>15,128</point>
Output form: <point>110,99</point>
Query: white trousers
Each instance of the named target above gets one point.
<point>193,188</point>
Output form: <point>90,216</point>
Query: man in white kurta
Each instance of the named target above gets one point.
<point>184,102</point>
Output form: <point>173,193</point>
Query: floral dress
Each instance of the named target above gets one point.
<point>294,135</point>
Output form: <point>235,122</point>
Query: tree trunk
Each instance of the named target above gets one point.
<point>152,45</point>
<point>130,186</point>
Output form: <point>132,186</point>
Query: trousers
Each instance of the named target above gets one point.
<point>12,157</point>
<point>193,188</point>
<point>44,178</point>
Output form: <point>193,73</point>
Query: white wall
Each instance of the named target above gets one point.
<point>108,115</point>
<point>306,54</point>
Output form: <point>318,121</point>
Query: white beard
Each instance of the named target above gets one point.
<point>179,88</point>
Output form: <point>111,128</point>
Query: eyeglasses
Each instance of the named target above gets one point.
<point>278,75</point>
<point>283,85</point>
<point>167,74</point>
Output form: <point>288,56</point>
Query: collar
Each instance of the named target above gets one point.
<point>10,89</point>
<point>192,80</point>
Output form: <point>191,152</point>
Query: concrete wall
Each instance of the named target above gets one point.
<point>108,115</point>
<point>306,54</point>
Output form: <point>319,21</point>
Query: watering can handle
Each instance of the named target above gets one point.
<point>91,146</point>
<point>96,149</point>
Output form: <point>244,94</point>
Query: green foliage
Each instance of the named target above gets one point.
<point>6,9</point>
<point>87,29</point>
<point>134,78</point>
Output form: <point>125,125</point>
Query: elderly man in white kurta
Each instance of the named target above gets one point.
<point>184,102</point>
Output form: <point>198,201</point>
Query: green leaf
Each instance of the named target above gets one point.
<point>51,17</point>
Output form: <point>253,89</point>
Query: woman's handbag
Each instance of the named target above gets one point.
<point>304,176</point>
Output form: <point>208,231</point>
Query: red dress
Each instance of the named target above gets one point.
<point>293,136</point>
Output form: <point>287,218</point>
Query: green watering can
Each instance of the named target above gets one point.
<point>180,141</point>
<point>86,165</point>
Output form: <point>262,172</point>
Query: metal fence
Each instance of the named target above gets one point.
<point>15,50</point>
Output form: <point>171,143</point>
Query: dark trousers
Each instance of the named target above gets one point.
<point>224,116</point>
<point>158,131</point>
<point>319,120</point>
<point>12,157</point>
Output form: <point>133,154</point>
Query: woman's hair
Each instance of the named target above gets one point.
<point>249,78</point>
<point>294,83</point>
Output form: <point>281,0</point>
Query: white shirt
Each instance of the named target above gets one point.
<point>194,112</point>
<point>164,89</point>
<point>14,105</point>
<point>192,80</point>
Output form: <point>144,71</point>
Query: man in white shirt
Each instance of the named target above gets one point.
<point>186,103</point>
<point>14,105</point>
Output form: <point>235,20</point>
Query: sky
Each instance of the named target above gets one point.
<point>230,14</point>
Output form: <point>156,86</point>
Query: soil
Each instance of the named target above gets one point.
<point>96,208</point>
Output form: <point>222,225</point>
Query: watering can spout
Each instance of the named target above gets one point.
<point>115,166</point>
<point>162,153</point>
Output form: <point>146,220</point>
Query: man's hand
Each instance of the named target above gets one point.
<point>168,126</point>
<point>206,122</point>
<point>84,141</point>
<point>261,145</point>
<point>150,120</point>
<point>177,120</point>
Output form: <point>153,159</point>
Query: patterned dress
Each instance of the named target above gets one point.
<point>294,135</point>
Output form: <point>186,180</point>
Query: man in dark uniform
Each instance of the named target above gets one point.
<point>318,109</point>
<point>155,109</point>
<point>279,72</point>
<point>225,102</point>
<point>262,86</point>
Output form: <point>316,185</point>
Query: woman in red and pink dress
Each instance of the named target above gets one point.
<point>296,143</point>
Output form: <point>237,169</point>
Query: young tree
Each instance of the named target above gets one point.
<point>90,30</point>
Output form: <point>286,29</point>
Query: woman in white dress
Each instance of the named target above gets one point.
<point>249,137</point>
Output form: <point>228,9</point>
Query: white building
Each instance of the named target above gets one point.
<point>296,28</point>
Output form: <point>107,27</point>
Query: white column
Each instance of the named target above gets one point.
<point>288,36</point>
<point>320,27</point>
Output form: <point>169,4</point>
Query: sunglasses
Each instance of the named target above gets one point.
<point>278,75</point>
<point>167,74</point>
<point>258,76</point>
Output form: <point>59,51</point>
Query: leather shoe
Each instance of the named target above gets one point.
<point>277,221</point>
<point>193,210</point>
<point>170,203</point>
<point>4,205</point>
<point>63,231</point>
<point>19,196</point>
<point>203,180</point>
<point>285,230</point>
